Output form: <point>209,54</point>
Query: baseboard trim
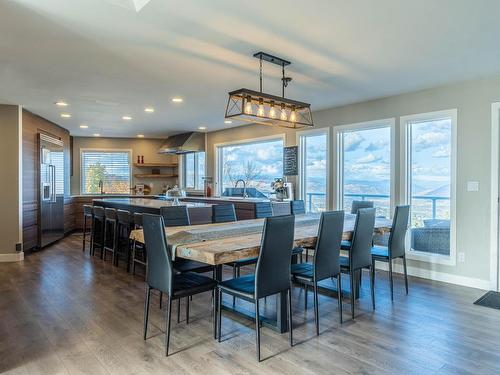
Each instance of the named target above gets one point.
<point>436,276</point>
<point>12,257</point>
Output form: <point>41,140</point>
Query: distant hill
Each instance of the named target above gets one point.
<point>442,191</point>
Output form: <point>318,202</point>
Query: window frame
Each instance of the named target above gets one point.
<point>182,169</point>
<point>218,154</point>
<point>300,135</point>
<point>339,157</point>
<point>83,150</point>
<point>405,185</point>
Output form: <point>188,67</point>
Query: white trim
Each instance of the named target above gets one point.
<point>471,282</point>
<point>12,257</point>
<point>130,161</point>
<point>217,146</point>
<point>338,156</point>
<point>300,181</point>
<point>20,177</point>
<point>405,187</point>
<point>494,228</point>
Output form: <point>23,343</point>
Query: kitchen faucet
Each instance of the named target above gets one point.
<point>101,186</point>
<point>244,187</point>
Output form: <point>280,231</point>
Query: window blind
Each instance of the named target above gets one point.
<point>110,167</point>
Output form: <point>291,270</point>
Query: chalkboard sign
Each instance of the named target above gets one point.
<point>290,161</point>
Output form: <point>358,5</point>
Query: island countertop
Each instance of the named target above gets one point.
<point>199,212</point>
<point>150,203</point>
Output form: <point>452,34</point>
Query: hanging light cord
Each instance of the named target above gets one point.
<point>260,73</point>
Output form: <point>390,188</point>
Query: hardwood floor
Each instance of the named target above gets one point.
<point>64,312</point>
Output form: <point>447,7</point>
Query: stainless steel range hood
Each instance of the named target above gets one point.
<point>184,143</point>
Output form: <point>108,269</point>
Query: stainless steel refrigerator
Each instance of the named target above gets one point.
<point>51,201</point>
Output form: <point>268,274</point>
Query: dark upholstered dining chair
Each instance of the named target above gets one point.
<point>178,216</point>
<point>360,251</point>
<point>272,274</point>
<point>298,207</point>
<point>175,216</point>
<point>263,210</point>
<point>396,245</point>
<point>356,205</point>
<point>223,213</point>
<point>326,261</point>
<point>162,276</point>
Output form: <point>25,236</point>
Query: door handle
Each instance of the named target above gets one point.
<point>53,182</point>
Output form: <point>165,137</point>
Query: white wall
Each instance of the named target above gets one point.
<point>473,101</point>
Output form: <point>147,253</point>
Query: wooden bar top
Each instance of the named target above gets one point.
<point>211,244</point>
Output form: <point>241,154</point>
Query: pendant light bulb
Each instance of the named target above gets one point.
<point>248,106</point>
<point>260,111</point>
<point>283,113</point>
<point>272,111</point>
<point>293,115</point>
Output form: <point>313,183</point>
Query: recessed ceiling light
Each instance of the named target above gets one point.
<point>140,135</point>
<point>84,126</point>
<point>127,118</point>
<point>96,135</point>
<point>65,115</point>
<point>228,122</point>
<point>177,100</point>
<point>61,103</point>
<point>149,109</point>
<point>202,127</point>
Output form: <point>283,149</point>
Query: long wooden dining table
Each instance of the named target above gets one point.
<point>222,243</point>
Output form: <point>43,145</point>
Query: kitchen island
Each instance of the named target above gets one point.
<point>199,212</point>
<point>244,207</point>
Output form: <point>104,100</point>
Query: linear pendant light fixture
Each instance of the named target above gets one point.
<point>262,108</point>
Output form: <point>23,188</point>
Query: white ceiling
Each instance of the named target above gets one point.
<point>109,58</point>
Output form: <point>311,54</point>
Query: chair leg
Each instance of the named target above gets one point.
<point>161,300</point>
<point>306,289</point>
<point>178,311</point>
<point>390,279</point>
<point>84,230</point>
<point>234,277</point>
<point>129,253</point>
<point>214,308</point>
<point>316,307</point>
<point>219,314</point>
<point>146,310</point>
<point>290,319</point>
<point>406,273</point>
<point>257,328</point>
<point>351,279</point>
<point>339,295</point>
<point>167,330</point>
<point>187,310</point>
<point>103,253</point>
<point>372,283</point>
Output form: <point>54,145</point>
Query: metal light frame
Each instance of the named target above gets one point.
<point>262,108</point>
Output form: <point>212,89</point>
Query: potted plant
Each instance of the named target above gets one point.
<point>279,189</point>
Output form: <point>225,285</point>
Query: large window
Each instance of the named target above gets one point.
<point>194,170</point>
<point>313,174</point>
<point>430,181</point>
<point>257,163</point>
<point>111,167</point>
<point>365,164</point>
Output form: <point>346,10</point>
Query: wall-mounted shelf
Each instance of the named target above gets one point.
<point>156,165</point>
<point>142,175</point>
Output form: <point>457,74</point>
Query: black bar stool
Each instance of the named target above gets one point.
<point>87,232</point>
<point>125,224</point>
<point>97,237</point>
<point>110,233</point>
<point>138,247</point>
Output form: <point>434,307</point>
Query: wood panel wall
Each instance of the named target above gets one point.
<point>32,125</point>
